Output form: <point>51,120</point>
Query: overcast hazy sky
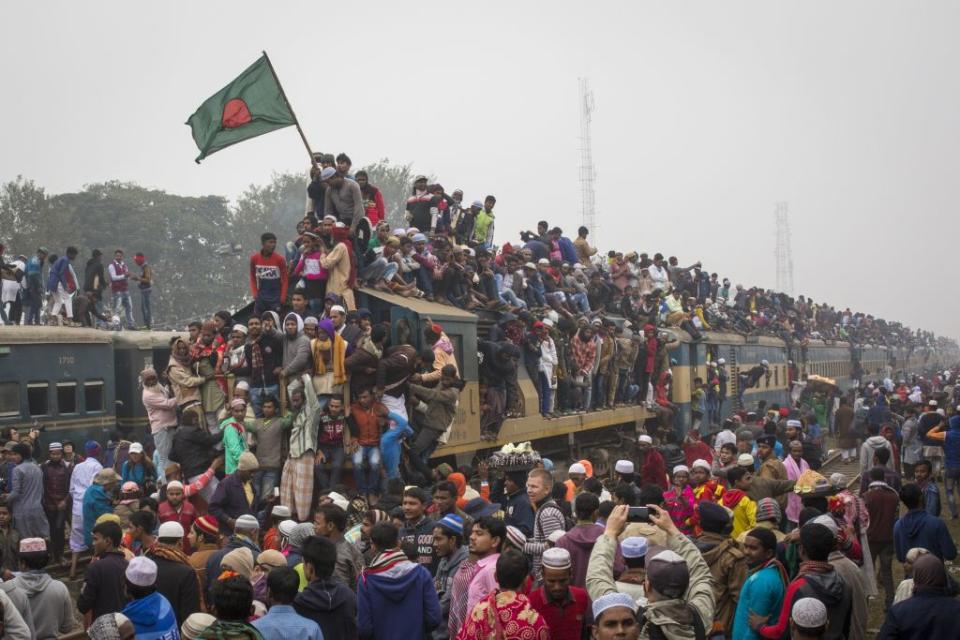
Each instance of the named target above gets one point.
<point>707,114</point>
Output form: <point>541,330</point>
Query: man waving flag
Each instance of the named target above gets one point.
<point>251,105</point>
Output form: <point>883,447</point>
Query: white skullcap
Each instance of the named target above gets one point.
<point>576,467</point>
<point>338,309</point>
<point>809,613</point>
<point>700,462</point>
<point>141,572</point>
<point>171,529</point>
<point>286,527</point>
<point>280,511</point>
<point>827,521</point>
<point>547,322</point>
<point>645,438</point>
<point>556,558</point>
<point>932,403</point>
<point>175,484</point>
<point>745,460</point>
<point>623,466</point>
<point>681,468</point>
<point>242,328</point>
<point>242,384</point>
<point>796,424</point>
<point>612,600</point>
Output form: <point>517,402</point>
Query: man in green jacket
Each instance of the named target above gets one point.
<point>679,596</point>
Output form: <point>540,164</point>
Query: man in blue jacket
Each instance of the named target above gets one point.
<point>920,529</point>
<point>62,282</point>
<point>151,613</point>
<point>395,597</point>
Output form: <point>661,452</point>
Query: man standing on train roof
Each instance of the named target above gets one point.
<point>33,285</point>
<point>268,276</point>
<point>61,284</point>
<point>120,288</point>
<point>342,199</point>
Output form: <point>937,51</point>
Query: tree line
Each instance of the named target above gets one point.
<point>198,246</point>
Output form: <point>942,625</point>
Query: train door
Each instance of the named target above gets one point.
<point>405,327</point>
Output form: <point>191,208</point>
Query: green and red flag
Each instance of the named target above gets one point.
<point>251,105</point>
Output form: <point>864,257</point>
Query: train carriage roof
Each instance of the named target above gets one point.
<point>145,339</point>
<point>52,335</point>
<point>433,310</point>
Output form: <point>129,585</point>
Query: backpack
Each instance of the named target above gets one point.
<point>656,634</point>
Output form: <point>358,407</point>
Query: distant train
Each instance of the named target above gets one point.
<point>83,383</point>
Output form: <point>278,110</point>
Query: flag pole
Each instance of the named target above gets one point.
<point>290,107</point>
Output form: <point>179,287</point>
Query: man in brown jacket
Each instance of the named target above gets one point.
<point>727,562</point>
<point>770,465</point>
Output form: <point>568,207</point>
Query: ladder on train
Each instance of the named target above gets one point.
<point>734,382</point>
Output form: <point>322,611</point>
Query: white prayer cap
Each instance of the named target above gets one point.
<point>645,438</point>
<point>556,558</point>
<point>700,462</point>
<point>170,529</point>
<point>141,571</point>
<point>612,600</point>
<point>576,467</point>
<point>809,613</point>
<point>623,466</point>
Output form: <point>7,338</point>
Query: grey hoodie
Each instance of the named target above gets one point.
<point>296,350</point>
<point>14,625</point>
<point>870,446</point>
<point>20,601</point>
<point>50,604</point>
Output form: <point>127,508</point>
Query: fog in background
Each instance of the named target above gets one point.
<point>706,115</point>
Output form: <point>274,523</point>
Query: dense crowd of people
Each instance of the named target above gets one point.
<point>236,517</point>
<point>189,537</point>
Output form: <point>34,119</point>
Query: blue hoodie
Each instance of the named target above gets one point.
<point>153,618</point>
<point>392,604</point>
<point>920,529</point>
<point>96,502</point>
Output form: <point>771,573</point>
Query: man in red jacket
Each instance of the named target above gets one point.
<point>653,468</point>
<point>565,609</point>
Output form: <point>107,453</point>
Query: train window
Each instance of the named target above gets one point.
<point>93,395</point>
<point>9,399</point>
<point>37,399</point>
<point>776,376</point>
<point>66,397</point>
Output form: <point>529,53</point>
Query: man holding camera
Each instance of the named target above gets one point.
<point>679,596</point>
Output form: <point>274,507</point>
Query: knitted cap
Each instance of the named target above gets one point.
<point>556,558</point>
<point>207,524</point>
<point>516,537</point>
<point>634,547</point>
<point>768,509</point>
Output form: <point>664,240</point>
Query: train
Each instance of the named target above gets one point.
<point>79,384</point>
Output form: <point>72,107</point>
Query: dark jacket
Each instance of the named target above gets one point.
<point>883,505</point>
<point>271,349</point>
<point>177,583</point>
<point>517,511</point>
<point>230,501</point>
<point>420,536</point>
<point>928,614</point>
<point>919,529</point>
<point>93,276</point>
<point>193,450</point>
<point>829,589</point>
<point>355,364</point>
<point>397,604</point>
<point>331,605</point>
<point>395,367</point>
<point>103,590</point>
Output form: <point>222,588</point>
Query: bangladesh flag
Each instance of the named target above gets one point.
<point>251,105</point>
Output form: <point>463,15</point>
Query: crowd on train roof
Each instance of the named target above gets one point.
<point>236,517</point>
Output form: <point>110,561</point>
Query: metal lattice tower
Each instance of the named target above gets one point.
<point>588,174</point>
<point>783,253</point>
